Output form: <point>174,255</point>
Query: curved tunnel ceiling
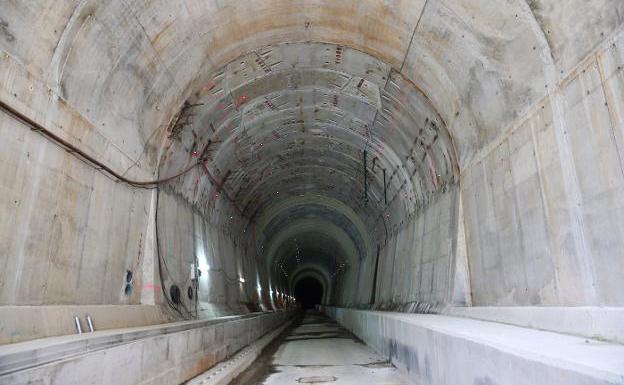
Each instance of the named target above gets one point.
<point>296,119</point>
<point>356,123</point>
<point>127,66</point>
<point>284,96</point>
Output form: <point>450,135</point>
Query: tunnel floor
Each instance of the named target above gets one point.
<point>319,351</point>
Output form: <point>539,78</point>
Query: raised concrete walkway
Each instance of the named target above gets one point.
<point>442,350</point>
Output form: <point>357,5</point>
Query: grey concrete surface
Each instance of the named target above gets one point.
<point>601,323</point>
<point>225,372</point>
<point>413,155</point>
<point>161,354</point>
<point>434,349</point>
<point>484,103</point>
<point>25,323</point>
<point>320,351</point>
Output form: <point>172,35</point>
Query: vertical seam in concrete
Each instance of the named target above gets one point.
<point>520,237</point>
<point>16,274</point>
<point>491,208</point>
<point>422,254</point>
<point>49,255</point>
<point>452,253</point>
<point>148,276</point>
<point>566,158</point>
<point>459,225</point>
<point>83,239</point>
<point>545,207</point>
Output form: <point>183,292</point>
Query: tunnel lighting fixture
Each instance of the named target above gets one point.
<point>241,280</point>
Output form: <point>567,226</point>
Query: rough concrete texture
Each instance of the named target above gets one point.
<point>600,323</point>
<point>319,351</point>
<point>432,89</point>
<point>535,246</point>
<point>24,323</point>
<point>434,349</point>
<point>225,372</point>
<point>163,354</point>
<point>410,154</point>
<point>124,68</point>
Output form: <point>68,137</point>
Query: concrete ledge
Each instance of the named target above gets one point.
<point>604,323</point>
<point>160,354</point>
<point>442,350</point>
<point>25,323</point>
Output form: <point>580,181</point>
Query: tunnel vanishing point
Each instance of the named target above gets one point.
<point>425,192</point>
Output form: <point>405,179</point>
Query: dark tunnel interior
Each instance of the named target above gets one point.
<point>309,292</point>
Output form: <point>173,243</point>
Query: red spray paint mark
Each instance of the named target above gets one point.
<point>151,287</point>
<point>241,100</point>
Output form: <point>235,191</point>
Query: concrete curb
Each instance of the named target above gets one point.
<point>224,372</point>
<point>442,350</point>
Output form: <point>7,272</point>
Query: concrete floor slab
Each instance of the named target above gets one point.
<point>320,351</point>
<point>325,351</point>
<point>347,374</point>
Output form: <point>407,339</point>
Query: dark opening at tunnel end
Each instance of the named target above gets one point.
<point>309,292</point>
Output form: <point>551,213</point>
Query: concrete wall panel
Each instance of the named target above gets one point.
<point>538,260</point>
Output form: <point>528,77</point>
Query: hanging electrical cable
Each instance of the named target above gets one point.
<point>87,158</point>
<point>180,308</point>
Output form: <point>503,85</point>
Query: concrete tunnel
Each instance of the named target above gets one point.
<point>422,192</point>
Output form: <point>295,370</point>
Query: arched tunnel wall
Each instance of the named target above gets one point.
<point>504,177</point>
